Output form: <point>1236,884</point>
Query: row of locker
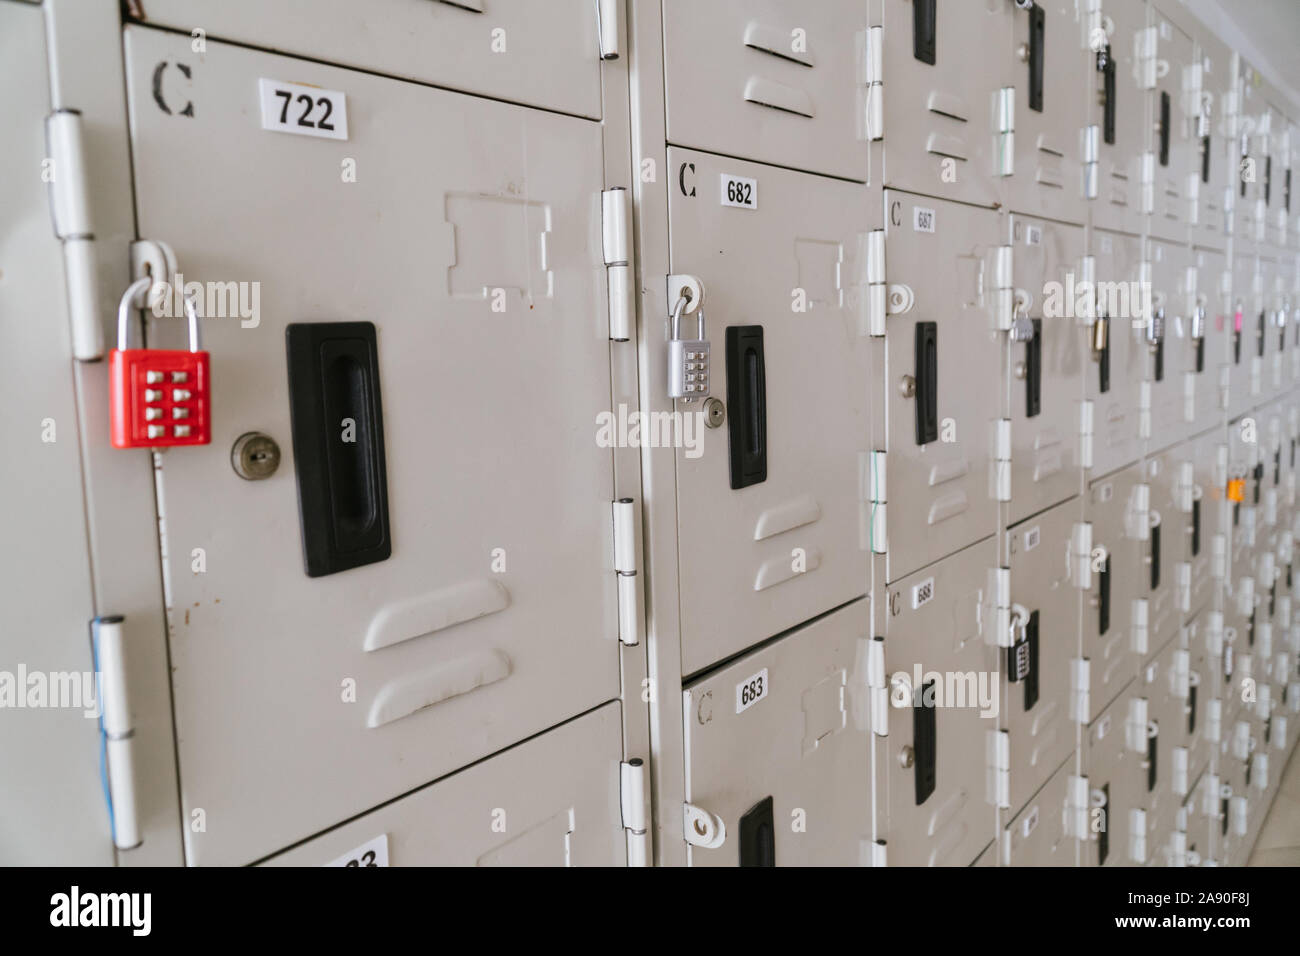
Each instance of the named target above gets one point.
<point>529,522</point>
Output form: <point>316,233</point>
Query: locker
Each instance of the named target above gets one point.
<point>1214,149</point>
<point>764,550</point>
<point>1048,368</point>
<point>945,701</point>
<point>1112,760</point>
<point>944,128</point>
<point>1192,841</point>
<point>790,86</point>
<point>1170,344</point>
<point>1252,117</point>
<point>1248,344</point>
<point>56,805</point>
<point>550,801</point>
<point>1038,835</point>
<point>1036,708</point>
<point>1121,83</point>
<point>1200,685</point>
<point>778,748</point>
<point>1114,603</point>
<point>1273,328</point>
<point>1166,685</point>
<point>1210,302</point>
<point>941,356</point>
<point>1271,230</point>
<point>1113,378</point>
<point>439,641</point>
<point>506,49</point>
<point>1051,66</point>
<point>1196,520</point>
<point>1164,583</point>
<point>1172,145</point>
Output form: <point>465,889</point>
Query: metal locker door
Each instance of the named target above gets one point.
<point>1214,163</point>
<point>1175,103</point>
<point>942,667</point>
<point>1199,687</point>
<point>1113,378</point>
<point>550,801</point>
<point>1113,768</point>
<point>1170,345</point>
<point>1037,836</point>
<point>1113,609</point>
<point>1121,85</point>
<point>769,506</point>
<point>1274,342</point>
<point>1162,552</point>
<point>1166,683</point>
<point>502,525</point>
<point>1051,73</point>
<point>49,731</point>
<point>1252,115</point>
<point>778,749</point>
<point>1036,706</point>
<point>789,86</point>
<point>1210,310</point>
<point>948,110</point>
<point>1247,342</point>
<point>538,54</point>
<point>942,363</point>
<point>1048,368</point>
<point>1198,518</point>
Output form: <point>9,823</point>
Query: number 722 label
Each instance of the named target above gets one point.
<point>304,110</point>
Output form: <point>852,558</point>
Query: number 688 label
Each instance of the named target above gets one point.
<point>751,690</point>
<point>304,110</point>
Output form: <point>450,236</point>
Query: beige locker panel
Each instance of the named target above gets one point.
<point>1197,517</point>
<point>538,54</point>
<point>1249,323</point>
<point>778,748</point>
<point>766,82</point>
<point>1036,709</point>
<point>1279,340</point>
<point>1113,607</point>
<point>1112,761</point>
<point>762,553</point>
<point>1050,119</point>
<point>1047,370</point>
<point>1113,380</point>
<point>1163,582</point>
<point>495,616</point>
<point>1210,304</point>
<point>1037,835</point>
<point>941,436</point>
<point>550,801</point>
<point>1215,149</point>
<point>1166,684</point>
<point>940,130</point>
<point>52,796</point>
<point>1172,347</point>
<point>1252,147</point>
<point>945,701</point>
<point>1118,205</point>
<point>1176,151</point>
<point>1200,684</point>
<point>1276,146</point>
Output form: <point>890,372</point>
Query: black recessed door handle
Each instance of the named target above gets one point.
<point>336,418</point>
<point>1164,128</point>
<point>1103,598</point>
<point>927,382</point>
<point>1152,759</point>
<point>1205,159</point>
<point>758,835</point>
<point>1107,68</point>
<point>924,29</point>
<point>746,405</point>
<point>1196,527</point>
<point>1031,678</point>
<point>924,742</point>
<point>1034,369</point>
<point>1037,54</point>
<point>1155,557</point>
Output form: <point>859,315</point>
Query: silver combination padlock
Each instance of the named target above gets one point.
<point>688,359</point>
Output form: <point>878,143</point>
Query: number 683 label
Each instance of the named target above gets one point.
<point>751,690</point>
<point>304,110</point>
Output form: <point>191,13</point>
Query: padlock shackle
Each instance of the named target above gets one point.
<point>192,317</point>
<point>133,292</point>
<point>681,304</point>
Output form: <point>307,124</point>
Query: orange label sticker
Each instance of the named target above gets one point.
<point>1237,489</point>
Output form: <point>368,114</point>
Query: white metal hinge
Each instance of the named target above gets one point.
<point>1144,409</point>
<point>1000,463</point>
<point>117,730</point>
<point>1214,720</point>
<point>1221,466</point>
<point>878,689</point>
<point>997,752</point>
<point>1005,117</point>
<point>1146,45</point>
<point>1080,689</point>
<point>1237,820</point>
<point>1091,161</point>
<point>1139,513</point>
<point>632,799</point>
<point>1241,740</point>
<point>1185,486</point>
<point>877,290</point>
<point>1081,555</point>
<point>616,236</point>
<point>1246,596</point>
<point>1210,796</point>
<point>1137,829</point>
<point>878,497</point>
<point>1147,183</point>
<point>627,562</point>
<point>69,190</point>
<point>1278,732</point>
<point>1078,803</point>
<point>1264,646</point>
<point>875,84</point>
<point>999,583</point>
<point>1269,506</point>
<point>1214,634</point>
<point>1189,397</point>
<point>1086,415</point>
<point>1135,729</point>
<point>1004,291</point>
<point>1259,772</point>
<point>1225,384</point>
<point>1183,586</point>
<point>1178,848</point>
<point>1138,634</point>
<point>609,24</point>
<point>1182,678</point>
<point>702,828</point>
<point>1256,375</point>
<point>879,854</point>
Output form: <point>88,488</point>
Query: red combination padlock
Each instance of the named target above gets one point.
<point>158,397</point>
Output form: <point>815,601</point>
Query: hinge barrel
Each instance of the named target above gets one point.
<point>616,241</point>
<point>108,641</point>
<point>74,227</point>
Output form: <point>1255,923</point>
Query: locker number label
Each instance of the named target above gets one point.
<point>922,593</point>
<point>751,690</point>
<point>739,192</point>
<point>922,219</point>
<point>1032,537</point>
<point>303,110</point>
<point>371,853</point>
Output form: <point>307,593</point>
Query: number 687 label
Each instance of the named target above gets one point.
<point>751,690</point>
<point>304,110</point>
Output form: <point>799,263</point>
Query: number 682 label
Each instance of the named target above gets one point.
<point>304,110</point>
<point>739,191</point>
<point>751,690</point>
